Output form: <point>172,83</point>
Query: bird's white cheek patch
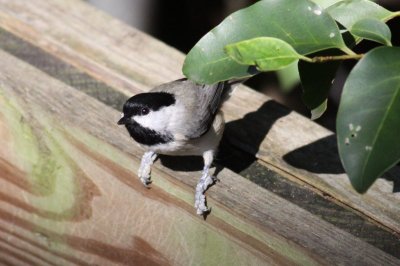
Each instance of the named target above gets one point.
<point>156,120</point>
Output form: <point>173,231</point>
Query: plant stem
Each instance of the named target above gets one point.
<point>348,51</point>
<point>322,59</point>
<point>394,14</point>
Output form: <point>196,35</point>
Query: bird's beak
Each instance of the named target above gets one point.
<point>123,120</point>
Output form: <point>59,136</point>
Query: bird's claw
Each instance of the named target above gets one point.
<point>200,204</point>
<point>146,181</point>
<point>200,199</point>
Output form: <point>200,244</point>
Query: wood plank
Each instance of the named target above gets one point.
<point>133,62</point>
<point>72,192</point>
<point>107,58</point>
<point>69,195</point>
<point>234,159</point>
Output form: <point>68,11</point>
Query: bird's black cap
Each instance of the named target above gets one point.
<point>152,100</point>
<point>142,104</point>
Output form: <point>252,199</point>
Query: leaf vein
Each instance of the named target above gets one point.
<point>396,95</point>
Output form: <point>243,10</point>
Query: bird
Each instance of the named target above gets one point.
<point>179,118</point>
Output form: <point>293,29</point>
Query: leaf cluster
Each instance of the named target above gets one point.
<point>318,35</point>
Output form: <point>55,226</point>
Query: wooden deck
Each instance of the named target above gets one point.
<point>68,186</point>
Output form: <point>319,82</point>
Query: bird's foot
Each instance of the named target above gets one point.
<point>201,205</point>
<point>145,180</point>
<point>145,168</point>
<point>200,202</point>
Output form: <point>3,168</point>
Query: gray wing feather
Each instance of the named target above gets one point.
<point>210,98</point>
<point>201,102</point>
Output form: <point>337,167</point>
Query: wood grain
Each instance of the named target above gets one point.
<point>70,195</point>
<point>43,224</point>
<point>73,194</point>
<point>132,62</point>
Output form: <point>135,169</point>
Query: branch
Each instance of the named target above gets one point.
<point>322,59</point>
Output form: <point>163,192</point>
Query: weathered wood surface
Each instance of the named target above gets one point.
<point>94,211</point>
<point>76,200</point>
<point>132,62</point>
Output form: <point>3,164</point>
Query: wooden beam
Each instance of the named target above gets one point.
<point>132,62</point>
<point>70,194</point>
<point>67,184</point>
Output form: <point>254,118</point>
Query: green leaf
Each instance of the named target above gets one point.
<point>266,53</point>
<point>348,12</point>
<point>320,110</point>
<point>325,3</point>
<point>368,122</point>
<point>288,77</point>
<point>328,3</point>
<point>316,80</point>
<point>301,23</point>
<point>372,29</point>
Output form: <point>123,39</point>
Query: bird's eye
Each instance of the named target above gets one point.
<point>144,111</point>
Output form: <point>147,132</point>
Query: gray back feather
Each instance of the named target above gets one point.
<point>210,100</point>
<point>201,103</point>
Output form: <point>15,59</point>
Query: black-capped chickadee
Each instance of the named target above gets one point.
<point>178,118</point>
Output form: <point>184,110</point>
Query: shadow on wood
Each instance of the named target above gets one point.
<point>320,157</point>
<point>253,128</point>
<point>393,176</point>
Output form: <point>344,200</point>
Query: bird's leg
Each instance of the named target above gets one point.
<point>145,167</point>
<point>205,181</point>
